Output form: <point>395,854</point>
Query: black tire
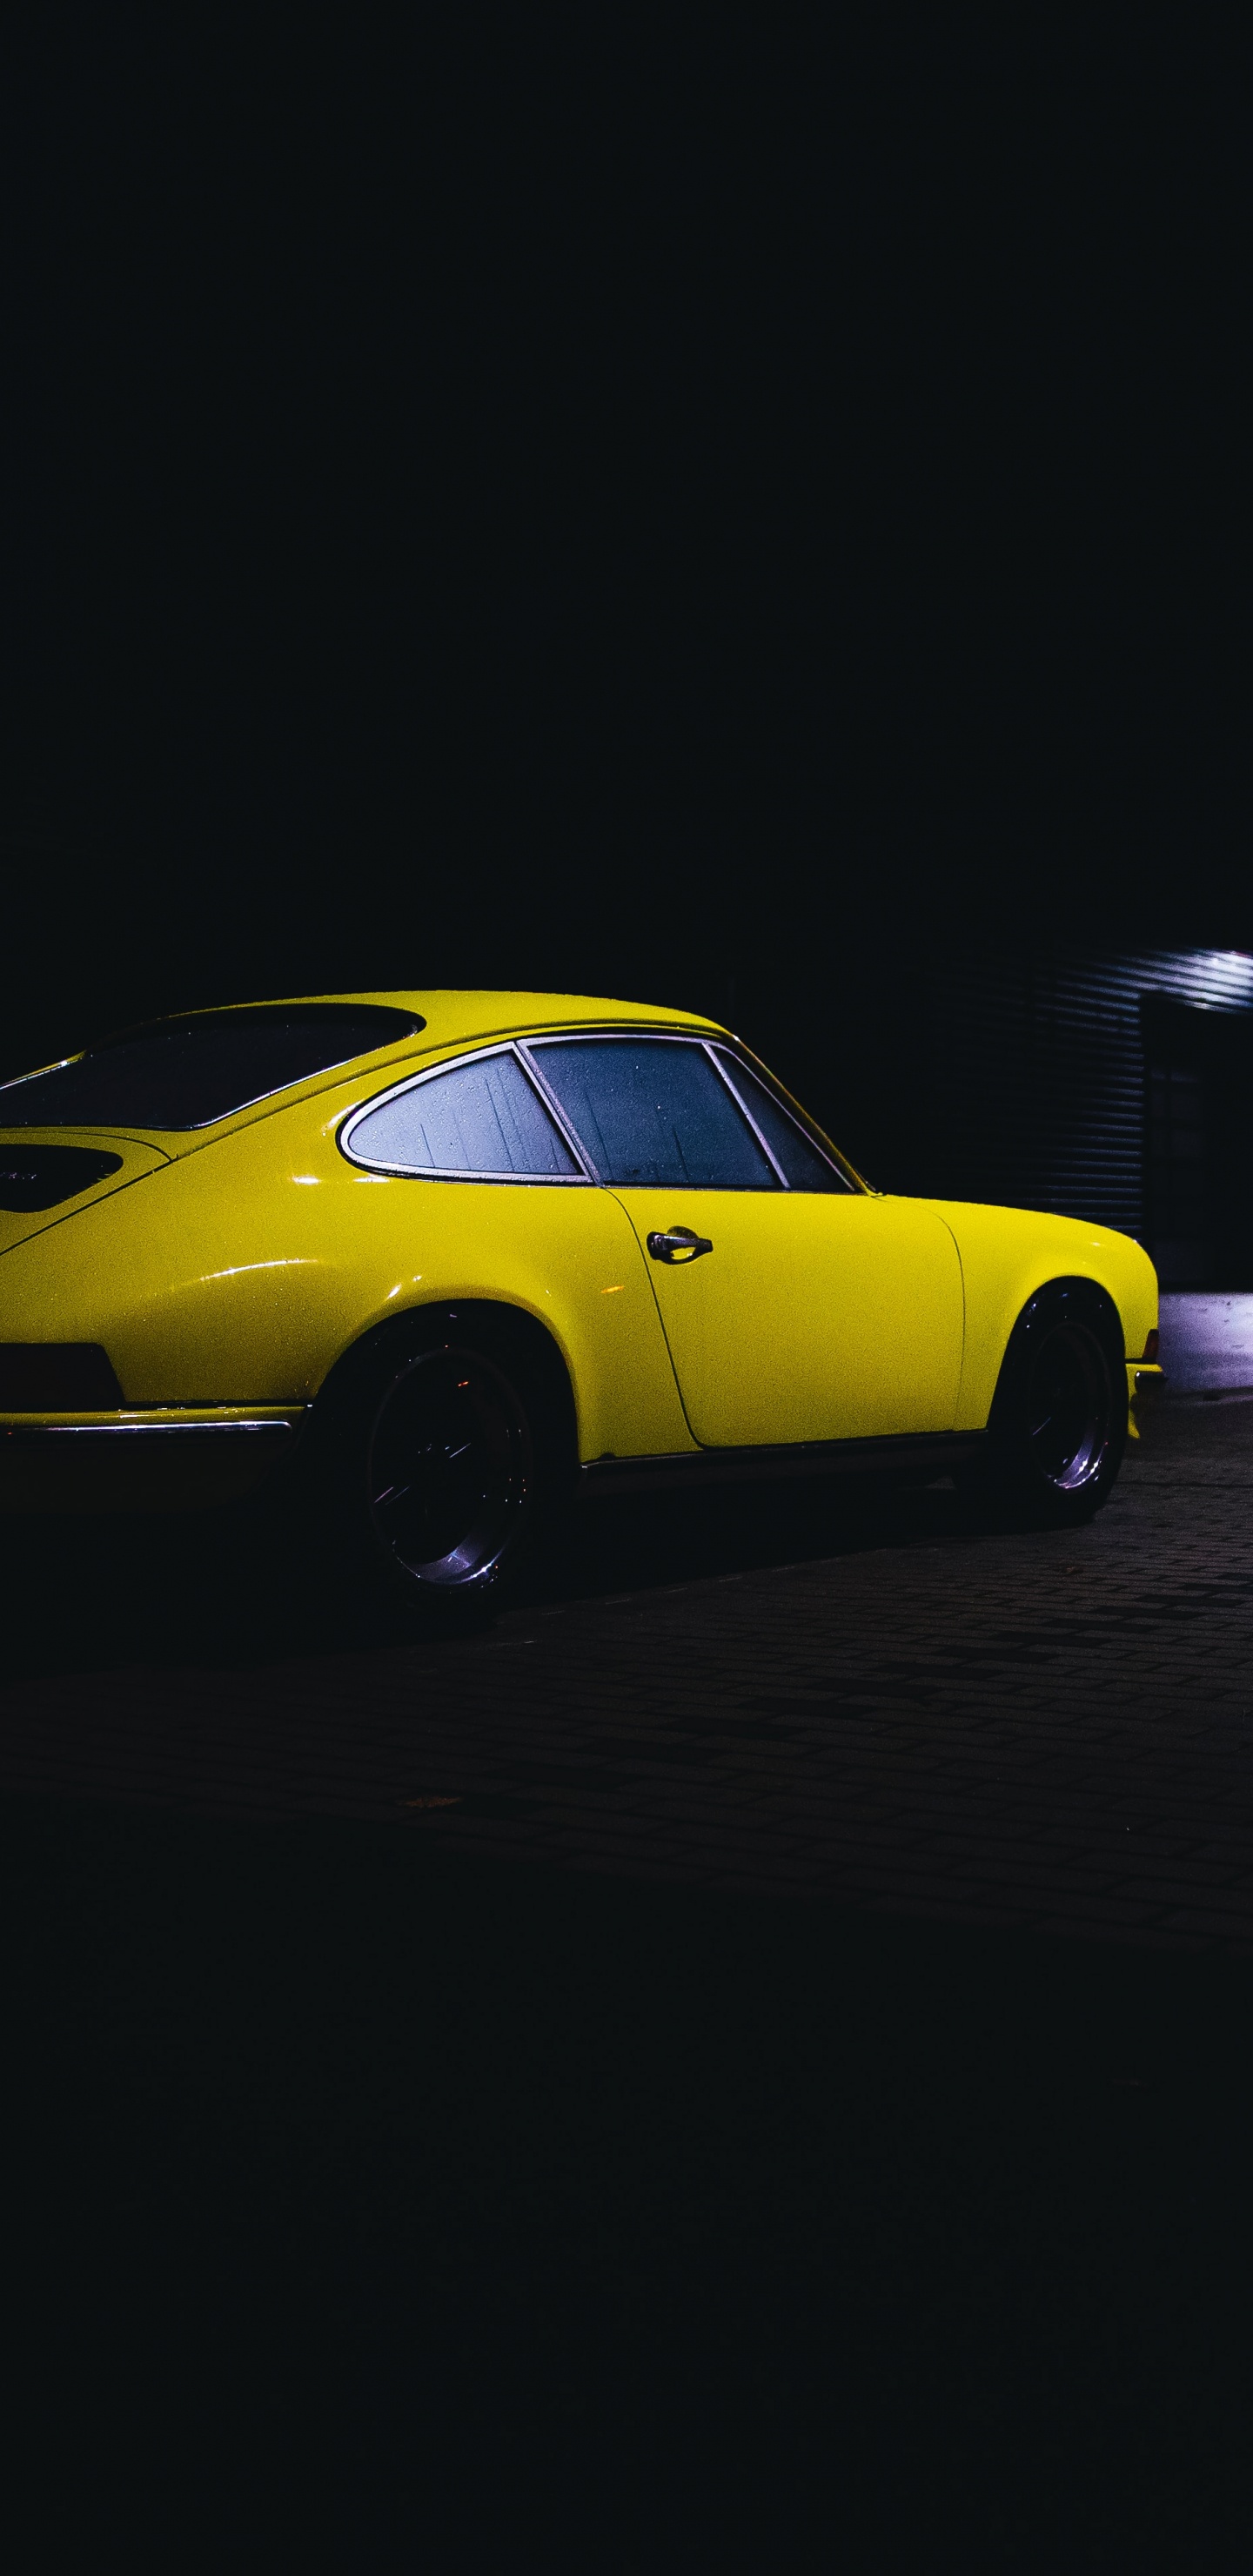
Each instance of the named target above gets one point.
<point>1058,1426</point>
<point>437,1463</point>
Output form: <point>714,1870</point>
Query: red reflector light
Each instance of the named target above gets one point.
<point>1150,1347</point>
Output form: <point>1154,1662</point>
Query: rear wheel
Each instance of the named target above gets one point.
<point>449,1471</point>
<point>438,1455</point>
<point>1059,1420</point>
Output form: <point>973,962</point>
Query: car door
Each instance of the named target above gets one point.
<point>796,1306</point>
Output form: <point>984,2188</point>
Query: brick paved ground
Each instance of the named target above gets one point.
<point>676,2154</point>
<point>906,1714</point>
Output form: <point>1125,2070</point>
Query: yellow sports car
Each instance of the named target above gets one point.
<point>454,1254</point>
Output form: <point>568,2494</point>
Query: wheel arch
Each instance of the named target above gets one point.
<point>1082,1297</point>
<point>504,1331</point>
<point>1011,1255</point>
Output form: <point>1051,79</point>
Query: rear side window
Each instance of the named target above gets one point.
<point>652,1113</point>
<point>802,1165</point>
<point>481,1120</point>
<point>190,1072</point>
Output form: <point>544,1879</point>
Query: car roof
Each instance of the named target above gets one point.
<point>454,1017</point>
<point>445,1022</point>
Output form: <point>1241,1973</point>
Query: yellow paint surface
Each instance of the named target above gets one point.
<point>234,1265</point>
<point>813,1318</point>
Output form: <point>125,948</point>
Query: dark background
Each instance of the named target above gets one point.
<point>731,516</point>
<point>396,2213</point>
<point>704,513</point>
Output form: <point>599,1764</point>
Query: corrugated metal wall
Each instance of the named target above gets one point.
<point>1035,1074</point>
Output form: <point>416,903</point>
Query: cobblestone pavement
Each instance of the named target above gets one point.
<point>896,1710</point>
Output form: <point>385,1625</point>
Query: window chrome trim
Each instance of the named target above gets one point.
<point>745,1112</point>
<point>674,1037</point>
<point>526,1051</point>
<point>668,1037</point>
<point>523,1050</point>
<point>717,1048</point>
<point>429,1172</point>
<point>714,1046</point>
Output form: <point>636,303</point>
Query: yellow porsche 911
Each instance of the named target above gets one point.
<point>443,1257</point>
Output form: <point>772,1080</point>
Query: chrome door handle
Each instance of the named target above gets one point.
<point>679,1244</point>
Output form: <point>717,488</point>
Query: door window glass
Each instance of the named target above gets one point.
<point>651,1113</point>
<point>799,1160</point>
<point>484,1118</point>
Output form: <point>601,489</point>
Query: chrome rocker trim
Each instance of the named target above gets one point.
<point>37,1432</point>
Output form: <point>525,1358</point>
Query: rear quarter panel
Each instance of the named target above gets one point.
<point>136,1159</point>
<point>1006,1255</point>
<point>240,1274</point>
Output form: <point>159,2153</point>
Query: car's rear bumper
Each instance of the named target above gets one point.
<point>1145,1381</point>
<point>161,1459</point>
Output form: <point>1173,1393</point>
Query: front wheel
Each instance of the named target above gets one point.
<point>1059,1420</point>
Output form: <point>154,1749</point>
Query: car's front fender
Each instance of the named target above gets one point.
<point>1006,1255</point>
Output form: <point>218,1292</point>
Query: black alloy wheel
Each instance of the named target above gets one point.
<point>449,1472</point>
<point>1059,1421</point>
<point>1069,1408</point>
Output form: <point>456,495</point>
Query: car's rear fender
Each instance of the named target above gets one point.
<point>243,1273</point>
